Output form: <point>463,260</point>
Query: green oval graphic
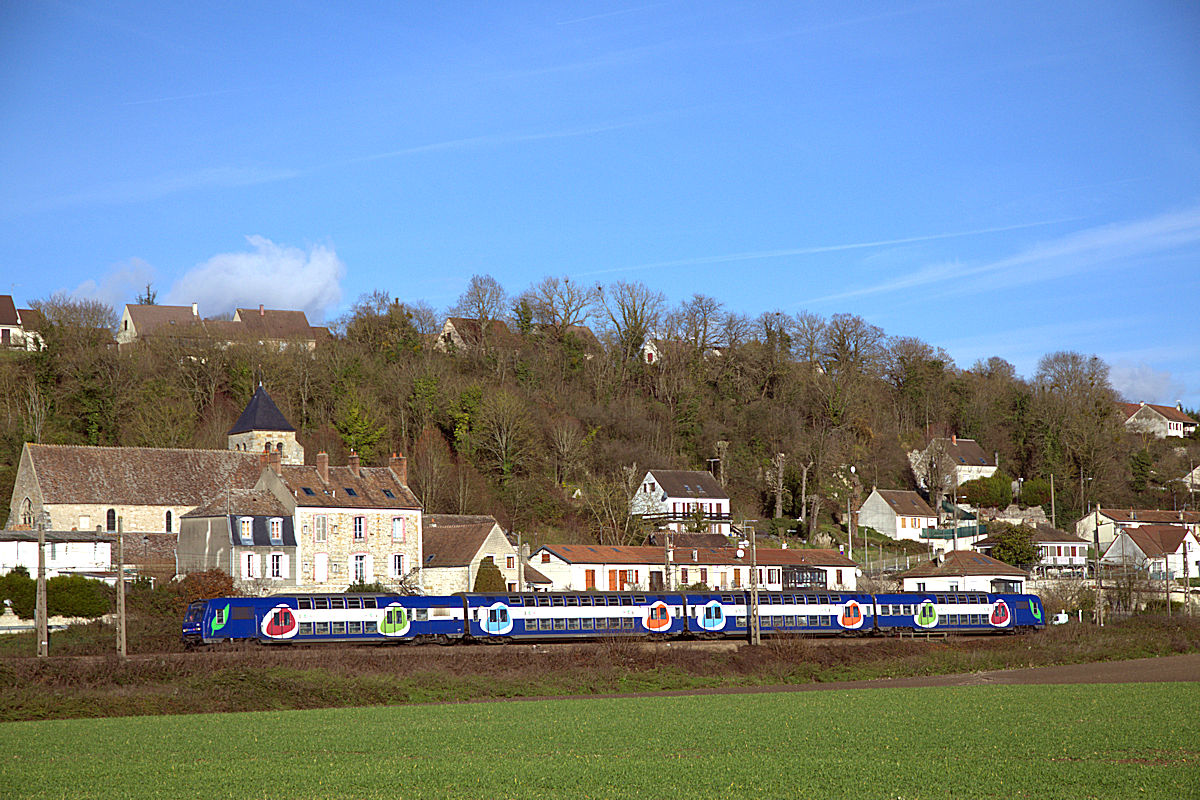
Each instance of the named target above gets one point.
<point>1036,608</point>
<point>927,615</point>
<point>395,621</point>
<point>220,617</point>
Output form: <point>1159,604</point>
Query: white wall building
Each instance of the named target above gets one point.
<point>896,513</point>
<point>964,571</point>
<point>671,498</point>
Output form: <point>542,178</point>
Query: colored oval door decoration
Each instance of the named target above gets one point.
<point>280,623</point>
<point>1000,616</point>
<point>396,621</point>
<point>927,616</point>
<point>657,617</point>
<point>852,616</point>
<point>1036,610</point>
<point>220,617</point>
<point>711,616</point>
<point>496,619</point>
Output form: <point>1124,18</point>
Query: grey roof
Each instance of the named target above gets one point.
<point>241,502</point>
<point>906,502</point>
<point>689,483</point>
<point>964,451</point>
<point>261,414</point>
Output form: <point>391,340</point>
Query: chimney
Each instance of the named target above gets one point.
<point>275,459</point>
<point>261,311</point>
<point>352,463</point>
<point>195,309</point>
<point>323,466</point>
<point>262,459</point>
<point>399,465</point>
<point>997,452</point>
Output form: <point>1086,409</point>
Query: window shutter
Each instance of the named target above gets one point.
<point>368,575</point>
<point>283,566</point>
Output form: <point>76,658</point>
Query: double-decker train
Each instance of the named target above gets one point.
<point>551,616</point>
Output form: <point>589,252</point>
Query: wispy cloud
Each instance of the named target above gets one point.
<point>1069,255</point>
<point>178,97</point>
<point>758,255</point>
<point>119,284</point>
<point>1140,382</point>
<point>607,14</point>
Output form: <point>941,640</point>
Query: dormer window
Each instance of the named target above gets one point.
<point>308,492</point>
<point>388,494</point>
<point>276,528</point>
<point>246,530</point>
<point>350,492</point>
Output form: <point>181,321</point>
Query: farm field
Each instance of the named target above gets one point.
<point>1109,741</point>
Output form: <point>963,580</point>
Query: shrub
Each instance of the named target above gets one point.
<point>993,492</point>
<point>21,590</point>
<point>489,579</point>
<point>77,596</point>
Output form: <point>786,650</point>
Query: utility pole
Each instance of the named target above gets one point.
<point>849,514</point>
<point>43,627</point>
<point>121,587</point>
<point>667,561</point>
<point>755,628</point>
<point>1099,580</point>
<point>1053,517</point>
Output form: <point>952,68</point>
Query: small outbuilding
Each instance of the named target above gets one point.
<point>964,571</point>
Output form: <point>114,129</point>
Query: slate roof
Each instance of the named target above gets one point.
<point>151,476</point>
<point>241,502</point>
<point>261,414</point>
<point>368,487</point>
<point>1156,541</point>
<point>689,483</point>
<point>1043,534</point>
<point>906,503</point>
<point>67,537</point>
<point>260,534</point>
<point>453,547</point>
<point>960,563</point>
<point>1170,412</point>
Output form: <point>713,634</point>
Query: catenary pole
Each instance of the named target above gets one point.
<point>121,587</point>
<point>43,627</point>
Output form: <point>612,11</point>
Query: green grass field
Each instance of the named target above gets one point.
<point>977,742</point>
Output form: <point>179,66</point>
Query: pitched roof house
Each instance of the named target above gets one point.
<point>455,546</point>
<point>1111,521</point>
<point>1156,548</point>
<point>265,326</point>
<point>964,571</point>
<point>951,461</point>
<point>897,513</point>
<point>246,533</point>
<point>1062,553</point>
<point>18,326</point>
<point>673,498</point>
<point>468,335</point>
<point>1161,421</point>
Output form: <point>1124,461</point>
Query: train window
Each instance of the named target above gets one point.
<point>370,627</point>
<point>776,622</point>
<point>572,600</point>
<point>777,599</point>
<point>556,600</point>
<point>1022,605</point>
<point>516,601</point>
<point>614,623</point>
<point>353,602</point>
<point>585,600</point>
<point>320,602</point>
<point>573,624</point>
<point>835,598</point>
<point>789,620</point>
<point>421,614</point>
<point>369,602</point>
<point>639,600</point>
<point>740,622</point>
<point>726,598</point>
<point>337,627</point>
<point>627,623</point>
<point>560,624</point>
<point>626,600</point>
<point>337,602</point>
<point>242,612</point>
<point>303,602</point>
<point>306,628</point>
<point>322,629</point>
<point>586,623</point>
<point>542,601</point>
<point>977,619</point>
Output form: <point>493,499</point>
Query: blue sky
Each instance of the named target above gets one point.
<point>995,178</point>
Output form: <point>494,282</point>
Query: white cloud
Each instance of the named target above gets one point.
<point>122,283</point>
<point>278,276</point>
<point>1139,382</point>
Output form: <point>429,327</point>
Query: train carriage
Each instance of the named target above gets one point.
<point>957,612</point>
<point>812,613</point>
<point>574,615</point>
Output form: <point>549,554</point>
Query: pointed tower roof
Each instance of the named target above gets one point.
<point>261,414</point>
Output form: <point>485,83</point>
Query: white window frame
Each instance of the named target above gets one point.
<point>246,530</point>
<point>320,528</point>
<point>399,525</point>
<point>279,566</point>
<point>275,526</point>
<point>397,565</point>
<point>360,529</point>
<point>358,567</point>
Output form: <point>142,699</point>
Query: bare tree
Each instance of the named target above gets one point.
<point>608,498</point>
<point>557,303</point>
<point>484,300</point>
<point>697,322</point>
<point>633,311</point>
<point>505,426</point>
<point>808,337</point>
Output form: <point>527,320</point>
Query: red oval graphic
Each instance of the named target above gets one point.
<point>657,616</point>
<point>281,622</point>
<point>1000,613</point>
<point>851,615</point>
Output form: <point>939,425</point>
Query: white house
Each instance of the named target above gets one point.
<point>67,552</point>
<point>1160,421</point>
<point>672,498</point>
<point>964,571</point>
<point>1110,522</point>
<point>1156,548</point>
<point>609,568</point>
<point>1062,553</point>
<point>951,461</point>
<point>17,326</point>
<point>896,513</point>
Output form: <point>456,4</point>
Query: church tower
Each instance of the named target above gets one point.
<point>262,427</point>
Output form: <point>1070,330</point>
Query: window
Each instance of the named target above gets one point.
<point>360,569</point>
<point>397,565</point>
<point>110,519</point>
<point>308,492</point>
<point>704,575</point>
<point>246,530</point>
<point>545,558</point>
<point>276,530</point>
<point>250,566</point>
<point>168,522</point>
<point>320,525</point>
<point>85,523</point>
<point>399,525</point>
<point>683,575</point>
<point>278,570</point>
<point>388,494</point>
<point>360,525</point>
<point>510,562</point>
<point>350,492</point>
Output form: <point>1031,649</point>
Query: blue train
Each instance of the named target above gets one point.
<point>544,616</point>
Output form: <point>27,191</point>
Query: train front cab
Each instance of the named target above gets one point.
<point>957,612</point>
<point>573,615</point>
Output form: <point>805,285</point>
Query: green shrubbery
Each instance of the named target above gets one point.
<point>66,595</point>
<point>993,492</point>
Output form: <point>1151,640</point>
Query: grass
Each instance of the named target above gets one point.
<point>981,742</point>
<point>275,678</point>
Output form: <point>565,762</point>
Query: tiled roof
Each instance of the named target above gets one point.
<point>147,319</point>
<point>498,332</point>
<point>138,475</point>
<point>608,554</point>
<point>1157,540</point>
<point>452,520</point>
<point>1170,412</point>
<point>960,563</point>
<point>241,502</point>
<point>1043,534</point>
<point>8,311</point>
<point>345,489</point>
<point>268,323</point>
<point>964,452</point>
<point>453,547</point>
<point>688,539</point>
<point>261,414</point>
<point>906,503</point>
<point>689,483</point>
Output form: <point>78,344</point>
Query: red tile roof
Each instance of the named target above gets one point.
<point>1150,515</point>
<point>368,488</point>
<point>1157,540</point>
<point>453,546</point>
<point>689,483</point>
<point>1170,412</point>
<point>772,557</point>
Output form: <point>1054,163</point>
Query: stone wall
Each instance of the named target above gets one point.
<point>341,546</point>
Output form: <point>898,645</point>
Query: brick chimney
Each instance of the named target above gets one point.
<point>262,457</point>
<point>275,459</point>
<point>323,466</point>
<point>352,463</point>
<point>399,465</point>
<point>261,311</point>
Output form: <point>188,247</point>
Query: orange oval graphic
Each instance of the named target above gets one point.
<point>852,616</point>
<point>658,617</point>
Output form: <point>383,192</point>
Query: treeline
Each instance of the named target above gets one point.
<point>551,430</point>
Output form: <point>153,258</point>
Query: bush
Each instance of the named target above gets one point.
<point>21,590</point>
<point>489,579</point>
<point>1035,492</point>
<point>77,596</point>
<point>993,492</point>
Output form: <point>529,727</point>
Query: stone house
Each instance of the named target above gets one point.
<point>247,534</point>
<point>1156,420</point>
<point>454,547</point>
<point>354,524</point>
<point>463,335</point>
